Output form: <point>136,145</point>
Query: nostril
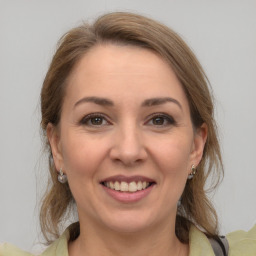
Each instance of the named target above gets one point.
<point>128,158</point>
<point>128,149</point>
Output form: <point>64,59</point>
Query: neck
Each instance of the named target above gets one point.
<point>154,241</point>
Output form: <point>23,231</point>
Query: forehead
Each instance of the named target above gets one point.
<point>116,71</point>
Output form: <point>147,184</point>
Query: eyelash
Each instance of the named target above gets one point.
<point>167,119</point>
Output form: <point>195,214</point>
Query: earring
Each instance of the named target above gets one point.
<point>62,178</point>
<point>179,203</point>
<point>193,172</point>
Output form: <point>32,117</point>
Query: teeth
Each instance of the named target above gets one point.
<point>125,187</point>
<point>133,187</point>
<point>111,185</point>
<point>116,186</point>
<point>139,185</point>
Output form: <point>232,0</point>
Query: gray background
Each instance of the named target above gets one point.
<point>222,33</point>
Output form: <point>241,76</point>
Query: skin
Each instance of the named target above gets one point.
<point>127,138</point>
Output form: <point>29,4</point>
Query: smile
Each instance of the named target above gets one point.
<point>128,189</point>
<point>124,186</point>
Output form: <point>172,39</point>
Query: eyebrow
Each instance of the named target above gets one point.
<point>160,101</point>
<point>146,103</point>
<point>96,100</point>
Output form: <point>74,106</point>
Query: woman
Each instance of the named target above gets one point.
<point>128,121</point>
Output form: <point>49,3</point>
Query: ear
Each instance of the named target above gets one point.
<point>200,136</point>
<point>54,140</point>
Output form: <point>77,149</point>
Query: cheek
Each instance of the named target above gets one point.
<point>80,155</point>
<point>173,154</point>
<point>173,160</point>
<point>174,167</point>
<point>82,161</point>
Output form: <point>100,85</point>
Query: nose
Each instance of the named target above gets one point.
<point>128,147</point>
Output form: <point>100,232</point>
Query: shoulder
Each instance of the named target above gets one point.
<point>10,250</point>
<point>199,244</point>
<point>241,242</point>
<point>57,248</point>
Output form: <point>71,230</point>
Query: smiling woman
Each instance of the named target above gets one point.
<point>128,119</point>
<point>128,137</point>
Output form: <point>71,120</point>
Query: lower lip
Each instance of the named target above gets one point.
<point>128,197</point>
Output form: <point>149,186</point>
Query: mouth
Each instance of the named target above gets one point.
<point>127,184</point>
<point>124,186</point>
<point>128,189</point>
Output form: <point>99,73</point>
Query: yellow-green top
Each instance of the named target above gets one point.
<point>240,243</point>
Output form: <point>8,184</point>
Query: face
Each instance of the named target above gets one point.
<point>125,139</point>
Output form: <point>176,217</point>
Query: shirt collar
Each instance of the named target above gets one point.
<point>199,244</point>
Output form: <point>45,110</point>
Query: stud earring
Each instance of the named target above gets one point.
<point>62,178</point>
<point>193,172</point>
<point>179,203</point>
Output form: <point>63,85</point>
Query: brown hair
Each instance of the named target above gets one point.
<point>132,29</point>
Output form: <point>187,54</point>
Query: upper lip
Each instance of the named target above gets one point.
<point>128,179</point>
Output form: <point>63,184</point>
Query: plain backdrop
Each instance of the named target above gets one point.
<point>222,34</point>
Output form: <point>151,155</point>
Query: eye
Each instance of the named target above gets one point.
<point>161,120</point>
<point>95,119</point>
